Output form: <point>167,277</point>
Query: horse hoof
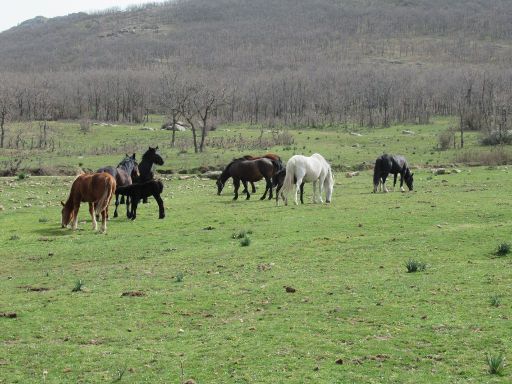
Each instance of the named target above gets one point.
<point>161,217</point>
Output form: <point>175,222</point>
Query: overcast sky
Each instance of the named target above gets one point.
<point>17,11</point>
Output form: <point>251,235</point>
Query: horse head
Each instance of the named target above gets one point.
<point>152,155</point>
<point>220,186</point>
<point>67,215</point>
<point>409,179</point>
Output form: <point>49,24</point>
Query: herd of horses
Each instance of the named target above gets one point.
<point>135,181</point>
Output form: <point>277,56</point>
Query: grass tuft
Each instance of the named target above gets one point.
<point>14,237</point>
<point>241,234</point>
<point>179,277</point>
<point>78,286</point>
<point>415,266</point>
<point>43,219</point>
<point>245,242</point>
<point>495,301</point>
<point>503,249</point>
<point>496,364</point>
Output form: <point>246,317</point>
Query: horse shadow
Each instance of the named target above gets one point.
<point>54,231</point>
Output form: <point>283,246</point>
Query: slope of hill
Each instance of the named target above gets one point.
<point>264,34</point>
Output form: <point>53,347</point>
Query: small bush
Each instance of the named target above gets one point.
<point>495,301</point>
<point>179,277</point>
<point>415,266</point>
<point>14,237</point>
<point>78,286</point>
<point>22,176</point>
<point>43,219</point>
<point>245,242</point>
<point>85,126</point>
<point>496,138</point>
<point>495,364</point>
<point>503,249</point>
<point>446,139</point>
<point>241,234</point>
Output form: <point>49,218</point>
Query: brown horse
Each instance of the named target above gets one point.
<point>125,172</point>
<point>270,156</point>
<point>248,170</point>
<point>96,189</point>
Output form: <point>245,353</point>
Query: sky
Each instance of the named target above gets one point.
<point>15,12</point>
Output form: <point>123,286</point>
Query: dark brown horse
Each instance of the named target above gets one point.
<point>125,172</point>
<point>248,171</point>
<point>270,156</point>
<point>96,189</point>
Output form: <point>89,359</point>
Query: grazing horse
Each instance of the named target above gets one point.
<point>278,181</point>
<point>125,172</point>
<point>248,170</point>
<point>315,169</point>
<point>95,188</point>
<point>149,158</point>
<point>270,156</point>
<point>395,164</point>
<point>138,191</point>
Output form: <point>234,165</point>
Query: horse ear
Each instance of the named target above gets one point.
<point>412,174</point>
<point>156,147</point>
<point>133,156</point>
<point>62,203</point>
<point>127,155</point>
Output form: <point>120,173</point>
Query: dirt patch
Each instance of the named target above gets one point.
<point>9,315</point>
<point>133,294</point>
<point>34,289</point>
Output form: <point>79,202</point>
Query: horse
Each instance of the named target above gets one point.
<point>125,172</point>
<point>138,191</point>
<point>278,181</point>
<point>313,169</point>
<point>248,170</point>
<point>395,164</point>
<point>270,156</point>
<point>95,188</point>
<point>149,158</point>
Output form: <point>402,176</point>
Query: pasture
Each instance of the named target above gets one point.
<point>320,293</point>
<point>163,301</point>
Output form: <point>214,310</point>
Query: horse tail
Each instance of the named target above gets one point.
<point>277,165</point>
<point>103,202</point>
<point>289,178</point>
<point>377,173</point>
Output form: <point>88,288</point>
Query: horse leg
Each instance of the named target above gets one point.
<point>384,188</point>
<point>74,225</point>
<point>128,213</point>
<point>401,182</point>
<point>268,186</point>
<point>320,189</point>
<point>253,187</point>
<point>117,204</point>
<point>271,195</point>
<point>302,193</point>
<point>236,185</point>
<point>278,189</point>
<point>297,189</point>
<point>161,210</point>
<point>104,215</point>
<point>135,202</point>
<point>394,180</point>
<point>93,215</point>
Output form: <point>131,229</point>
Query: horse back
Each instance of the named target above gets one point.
<point>92,187</point>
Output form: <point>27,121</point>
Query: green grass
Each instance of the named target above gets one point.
<point>229,320</point>
<point>106,145</point>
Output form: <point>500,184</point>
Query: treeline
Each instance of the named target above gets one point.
<point>290,62</point>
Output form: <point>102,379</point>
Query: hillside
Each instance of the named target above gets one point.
<point>370,62</point>
<point>265,34</point>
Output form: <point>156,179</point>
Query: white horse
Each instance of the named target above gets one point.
<point>313,169</point>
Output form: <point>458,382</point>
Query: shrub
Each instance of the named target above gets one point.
<point>78,286</point>
<point>415,266</point>
<point>22,176</point>
<point>503,249</point>
<point>43,219</point>
<point>85,126</point>
<point>179,277</point>
<point>495,364</point>
<point>14,237</point>
<point>245,242</point>
<point>496,138</point>
<point>495,301</point>
<point>446,139</point>
<point>241,234</point>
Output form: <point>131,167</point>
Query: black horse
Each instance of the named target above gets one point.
<point>149,158</point>
<point>125,172</point>
<point>242,170</point>
<point>394,164</point>
<point>278,181</point>
<point>138,191</point>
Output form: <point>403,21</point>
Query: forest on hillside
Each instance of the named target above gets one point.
<point>305,62</point>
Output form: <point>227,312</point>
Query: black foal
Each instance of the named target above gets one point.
<point>139,191</point>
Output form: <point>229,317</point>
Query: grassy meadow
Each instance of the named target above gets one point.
<point>319,293</point>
